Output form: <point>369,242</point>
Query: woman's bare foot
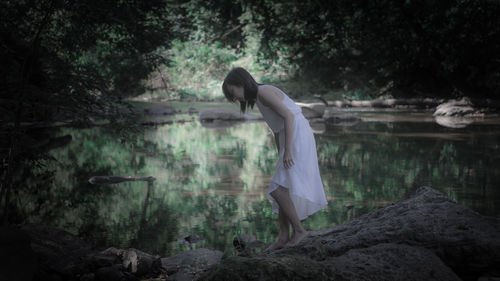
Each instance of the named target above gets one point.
<point>297,237</point>
<point>280,243</point>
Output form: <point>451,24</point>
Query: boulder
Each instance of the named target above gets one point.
<point>462,107</point>
<point>380,262</point>
<point>453,121</point>
<point>134,261</point>
<point>188,265</point>
<point>109,273</point>
<point>425,237</point>
<point>312,110</point>
<point>59,253</point>
<point>63,255</point>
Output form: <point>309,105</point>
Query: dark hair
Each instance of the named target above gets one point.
<point>238,76</point>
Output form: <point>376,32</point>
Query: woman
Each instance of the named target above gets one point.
<point>296,190</point>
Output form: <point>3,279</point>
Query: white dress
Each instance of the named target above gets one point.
<point>302,179</point>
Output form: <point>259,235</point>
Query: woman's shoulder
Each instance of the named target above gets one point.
<point>267,92</point>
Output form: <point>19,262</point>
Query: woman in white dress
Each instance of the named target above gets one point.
<point>296,190</point>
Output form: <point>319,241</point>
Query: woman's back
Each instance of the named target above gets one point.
<point>276,122</point>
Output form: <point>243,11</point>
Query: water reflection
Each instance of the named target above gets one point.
<point>211,182</point>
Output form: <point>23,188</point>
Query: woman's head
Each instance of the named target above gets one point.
<point>240,78</point>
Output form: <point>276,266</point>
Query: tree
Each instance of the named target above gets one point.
<point>72,61</point>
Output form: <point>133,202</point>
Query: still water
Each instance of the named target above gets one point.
<point>211,182</point>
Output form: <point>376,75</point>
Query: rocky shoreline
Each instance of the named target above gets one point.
<point>424,237</point>
<point>447,113</point>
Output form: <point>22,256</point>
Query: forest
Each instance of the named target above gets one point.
<point>77,62</point>
<point>73,72</point>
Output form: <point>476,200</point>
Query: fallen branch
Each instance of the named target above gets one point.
<point>117,179</point>
<point>422,103</point>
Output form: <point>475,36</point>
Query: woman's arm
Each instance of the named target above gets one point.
<point>273,98</point>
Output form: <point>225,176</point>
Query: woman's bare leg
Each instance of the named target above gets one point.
<point>282,197</point>
<point>284,227</point>
<point>284,235</point>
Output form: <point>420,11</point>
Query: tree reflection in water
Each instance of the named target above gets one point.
<point>211,182</point>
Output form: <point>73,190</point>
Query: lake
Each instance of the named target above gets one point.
<point>211,182</point>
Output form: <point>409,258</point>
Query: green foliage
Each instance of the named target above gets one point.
<point>220,36</point>
<point>197,69</point>
<point>74,58</point>
<point>420,46</point>
<point>71,61</point>
<point>359,48</point>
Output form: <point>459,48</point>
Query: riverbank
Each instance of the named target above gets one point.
<point>424,237</point>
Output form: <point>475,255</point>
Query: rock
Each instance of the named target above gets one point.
<point>190,263</point>
<point>159,109</point>
<point>405,103</point>
<point>380,262</point>
<point>134,261</point>
<point>312,110</point>
<point>222,118</point>
<point>264,268</point>
<point>138,262</point>
<point>245,244</point>
<point>425,237</point>
<point>342,119</point>
<point>461,107</point>
<point>453,121</point>
<point>317,125</point>
<point>59,252</point>
<point>228,115</point>
<point>113,273</point>
<point>181,276</point>
<point>398,262</point>
<point>98,260</point>
<point>109,273</point>
<point>64,255</point>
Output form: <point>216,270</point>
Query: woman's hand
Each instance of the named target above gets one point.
<point>288,159</point>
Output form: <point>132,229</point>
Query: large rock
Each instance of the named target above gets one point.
<point>62,255</point>
<point>425,237</point>
<point>188,265</point>
<point>134,261</point>
<point>59,253</point>
<point>312,110</point>
<point>462,107</point>
<point>380,262</point>
<point>453,121</point>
